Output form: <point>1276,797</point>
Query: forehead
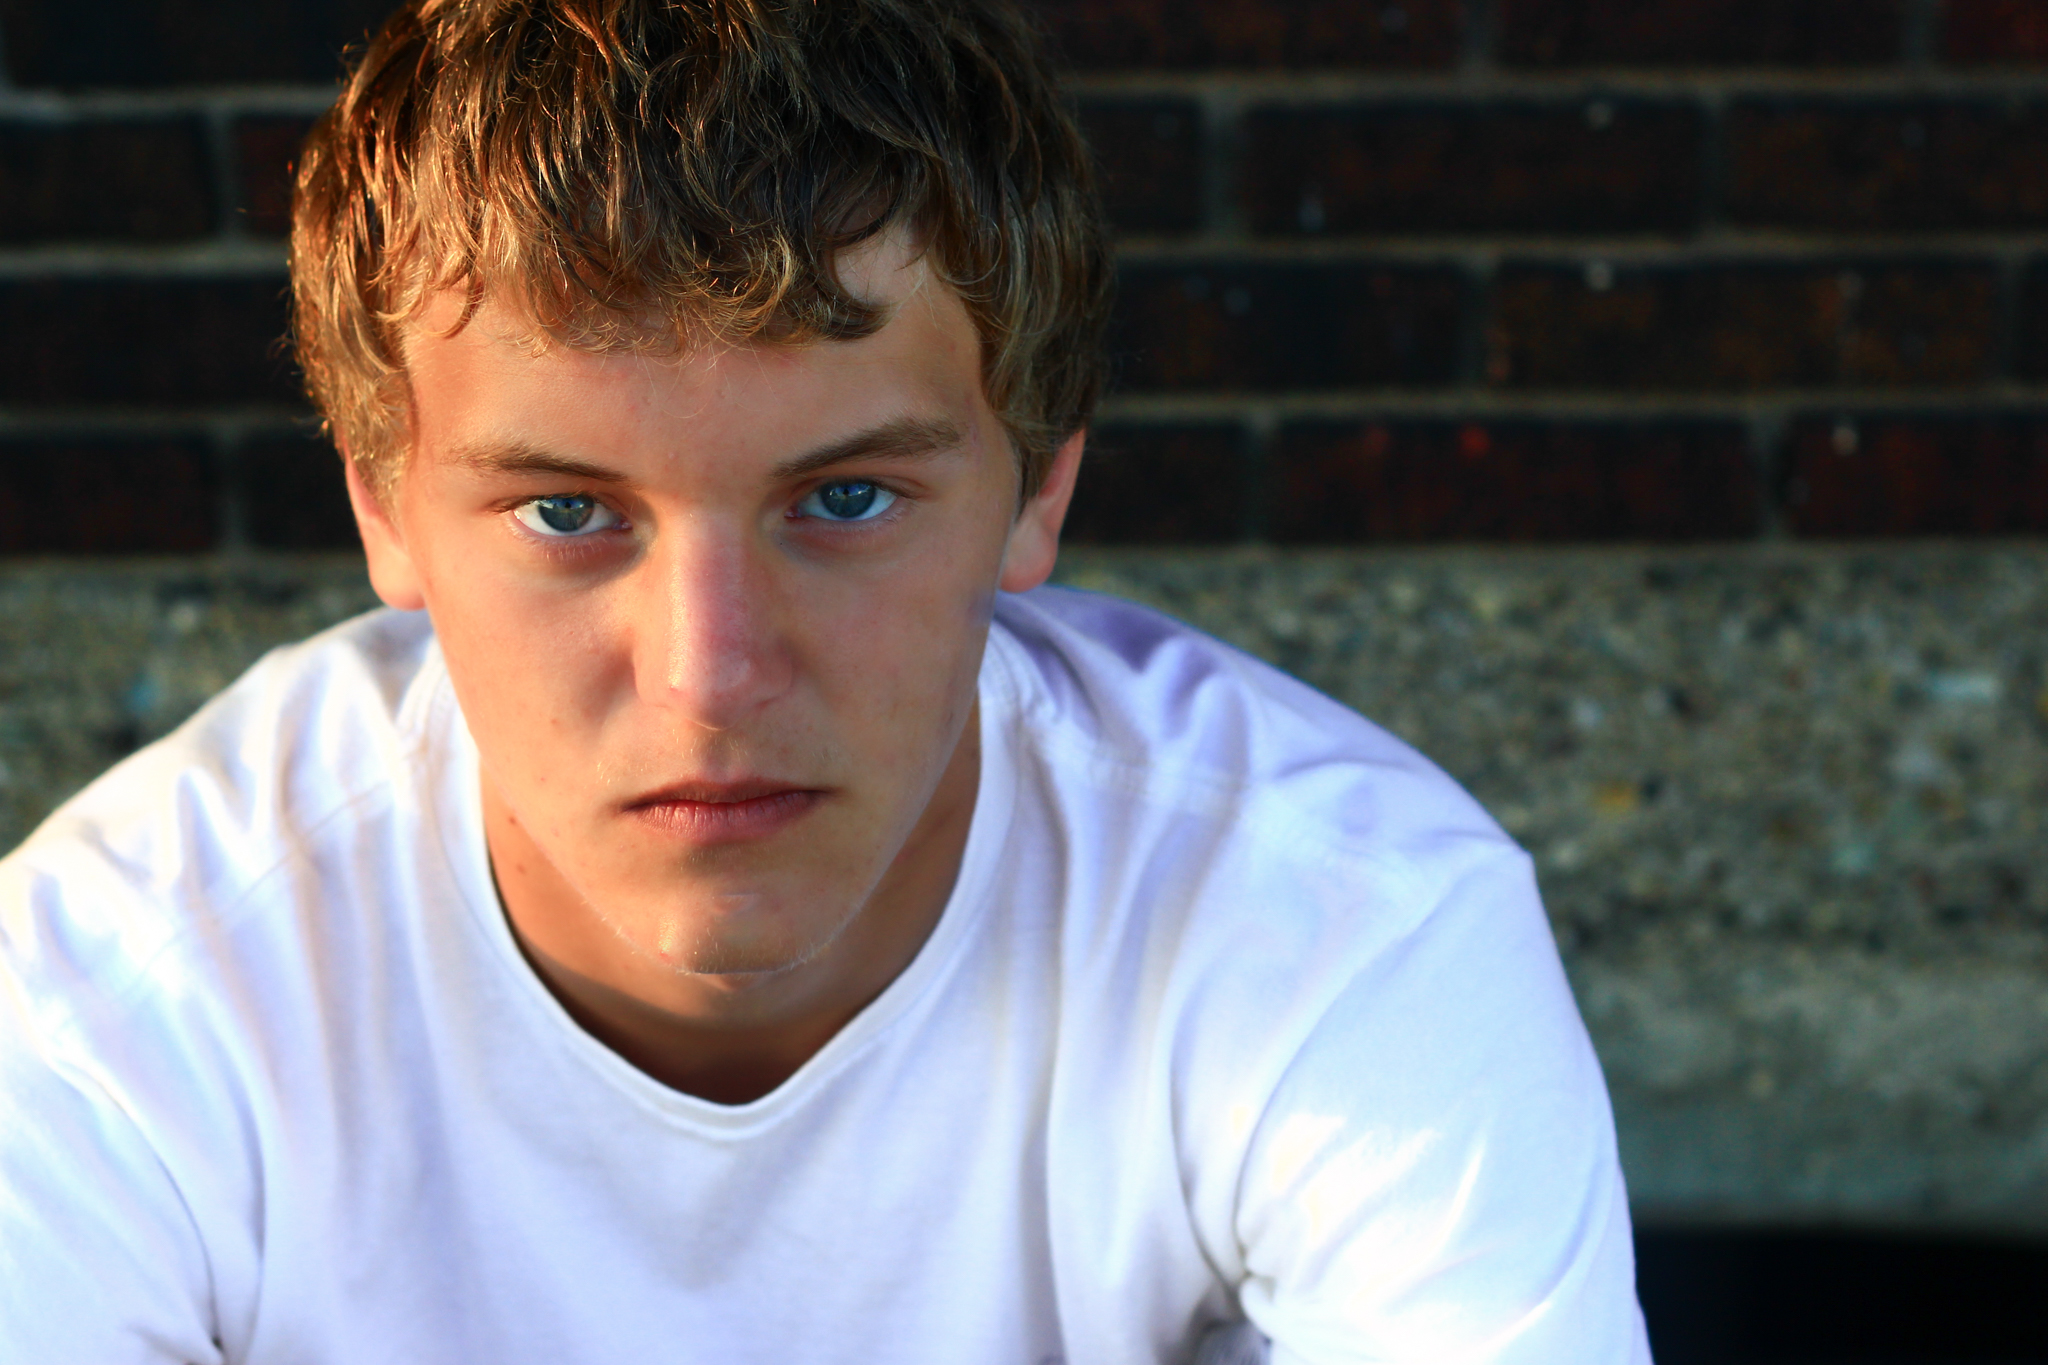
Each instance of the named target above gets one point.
<point>490,380</point>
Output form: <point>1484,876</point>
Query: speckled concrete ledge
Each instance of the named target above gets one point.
<point>1789,811</point>
<point>1788,805</point>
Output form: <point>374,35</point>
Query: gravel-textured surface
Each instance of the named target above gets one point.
<point>1789,809</point>
<point>97,658</point>
<point>1788,804</point>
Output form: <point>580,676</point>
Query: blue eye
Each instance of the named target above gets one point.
<point>852,501</point>
<point>565,515</point>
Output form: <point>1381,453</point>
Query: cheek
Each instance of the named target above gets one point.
<point>900,658</point>
<point>533,669</point>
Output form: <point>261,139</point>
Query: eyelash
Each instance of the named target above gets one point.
<point>564,549</point>
<point>897,498</point>
<point>567,546</point>
<point>599,508</point>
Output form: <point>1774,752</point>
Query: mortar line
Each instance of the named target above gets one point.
<point>1453,83</point>
<point>1479,58</point>
<point>230,504</point>
<point>1305,87</point>
<point>1300,87</point>
<point>1257,431</point>
<point>1850,287</point>
<point>16,101</point>
<point>251,421</point>
<point>1493,404</point>
<point>1714,163</point>
<point>1767,428</point>
<point>1223,129</point>
<point>1478,271</point>
<point>1712,247</point>
<point>217,255</point>
<point>245,419</point>
<point>227,177</point>
<point>1917,43</point>
<point>2005,336</point>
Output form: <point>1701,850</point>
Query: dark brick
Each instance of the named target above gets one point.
<point>2031,360</point>
<point>1977,474</point>
<point>176,342</point>
<point>1169,484</point>
<point>1995,32</point>
<point>106,495</point>
<point>138,179</point>
<point>266,151</point>
<point>1346,482</point>
<point>1152,153</point>
<point>1599,166</point>
<point>1701,32</point>
<point>1923,325</point>
<point>176,42</point>
<point>1323,325</point>
<point>1672,328</point>
<point>294,496</point>
<point>1851,166</point>
<point>1743,326</point>
<point>1192,34</point>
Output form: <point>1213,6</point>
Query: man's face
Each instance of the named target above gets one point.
<point>715,620</point>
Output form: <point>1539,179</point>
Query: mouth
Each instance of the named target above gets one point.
<point>724,812</point>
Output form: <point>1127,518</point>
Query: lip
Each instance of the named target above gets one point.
<point>724,812</point>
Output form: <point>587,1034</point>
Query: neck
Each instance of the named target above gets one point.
<point>732,1038</point>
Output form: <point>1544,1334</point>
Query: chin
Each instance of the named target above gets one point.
<point>724,942</point>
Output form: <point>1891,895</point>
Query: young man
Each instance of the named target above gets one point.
<point>716,917</point>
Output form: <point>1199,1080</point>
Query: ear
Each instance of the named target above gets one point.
<point>1035,537</point>
<point>392,573</point>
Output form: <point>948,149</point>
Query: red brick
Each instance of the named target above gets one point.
<point>1900,165</point>
<point>176,42</point>
<point>133,179</point>
<point>1995,32</point>
<point>1193,34</point>
<point>1743,326</point>
<point>1927,325</point>
<point>1161,484</point>
<point>266,152</point>
<point>1664,328</point>
<point>293,495</point>
<point>1152,153</point>
<point>1979,474</point>
<point>1598,166</point>
<point>1701,32</point>
<point>107,495</point>
<point>1351,482</point>
<point>171,342</point>
<point>1267,327</point>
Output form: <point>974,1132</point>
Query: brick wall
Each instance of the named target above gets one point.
<point>1392,270</point>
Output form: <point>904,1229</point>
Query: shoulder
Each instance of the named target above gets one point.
<point>1308,959</point>
<point>168,846</point>
<point>1117,697</point>
<point>1241,852</point>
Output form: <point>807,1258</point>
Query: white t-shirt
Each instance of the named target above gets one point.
<point>1239,1008</point>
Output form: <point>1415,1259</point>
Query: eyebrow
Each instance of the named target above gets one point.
<point>906,438</point>
<point>517,457</point>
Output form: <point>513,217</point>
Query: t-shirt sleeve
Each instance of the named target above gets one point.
<point>99,1260</point>
<point>1434,1179</point>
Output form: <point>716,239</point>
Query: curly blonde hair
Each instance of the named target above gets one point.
<point>636,173</point>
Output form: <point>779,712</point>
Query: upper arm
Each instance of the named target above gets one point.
<point>1435,1177</point>
<point>99,1259</point>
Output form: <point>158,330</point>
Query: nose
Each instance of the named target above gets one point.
<point>712,648</point>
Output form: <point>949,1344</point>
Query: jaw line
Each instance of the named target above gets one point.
<point>669,943</point>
